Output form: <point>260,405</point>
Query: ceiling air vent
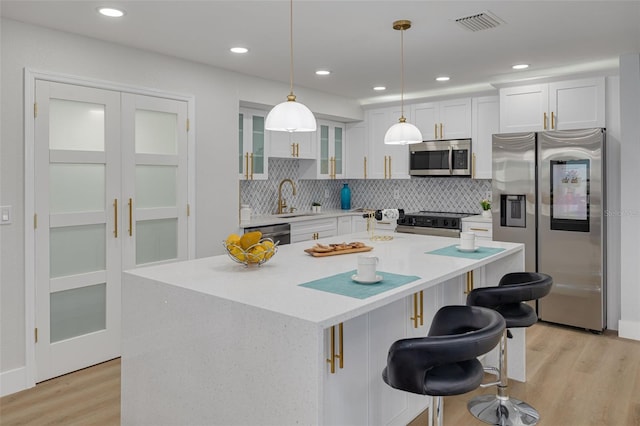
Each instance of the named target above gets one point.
<point>480,21</point>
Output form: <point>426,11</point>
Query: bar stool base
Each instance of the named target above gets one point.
<point>503,411</point>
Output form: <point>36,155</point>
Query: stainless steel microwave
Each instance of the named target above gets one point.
<point>440,158</point>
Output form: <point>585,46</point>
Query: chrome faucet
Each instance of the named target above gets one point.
<point>282,204</point>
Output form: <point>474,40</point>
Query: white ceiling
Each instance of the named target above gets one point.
<point>355,40</point>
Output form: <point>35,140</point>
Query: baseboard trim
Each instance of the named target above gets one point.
<point>13,381</point>
<point>629,329</point>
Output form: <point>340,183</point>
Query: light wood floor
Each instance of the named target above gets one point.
<point>576,378</point>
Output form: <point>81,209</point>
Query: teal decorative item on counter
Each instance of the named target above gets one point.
<point>345,197</point>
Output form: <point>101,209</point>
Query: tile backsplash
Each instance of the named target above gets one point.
<point>434,194</point>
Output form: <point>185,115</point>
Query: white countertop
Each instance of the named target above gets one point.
<point>297,216</point>
<point>477,218</point>
<point>274,285</point>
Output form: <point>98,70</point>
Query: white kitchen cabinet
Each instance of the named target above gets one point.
<point>485,120</point>
<point>292,145</point>
<point>344,225</point>
<point>313,229</point>
<point>479,225</point>
<point>386,161</point>
<point>356,151</point>
<point>450,119</point>
<point>359,224</point>
<point>344,387</point>
<point>252,145</point>
<point>330,152</point>
<point>563,105</point>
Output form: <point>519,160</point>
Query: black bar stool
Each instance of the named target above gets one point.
<point>508,299</point>
<point>445,362</point>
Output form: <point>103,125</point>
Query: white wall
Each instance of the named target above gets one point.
<point>217,94</point>
<point>630,206</point>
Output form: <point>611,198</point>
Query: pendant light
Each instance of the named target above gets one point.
<point>402,133</point>
<point>290,116</point>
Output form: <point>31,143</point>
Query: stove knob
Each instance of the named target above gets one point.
<point>454,223</point>
<point>446,223</point>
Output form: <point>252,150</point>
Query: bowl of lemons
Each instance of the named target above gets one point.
<point>250,248</point>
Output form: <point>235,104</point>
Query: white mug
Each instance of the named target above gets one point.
<point>367,267</point>
<point>467,240</point>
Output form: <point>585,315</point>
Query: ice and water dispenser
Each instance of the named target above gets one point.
<point>513,210</point>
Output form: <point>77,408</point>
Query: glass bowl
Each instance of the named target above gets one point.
<point>257,254</point>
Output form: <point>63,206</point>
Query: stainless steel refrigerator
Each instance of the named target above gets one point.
<point>548,193</point>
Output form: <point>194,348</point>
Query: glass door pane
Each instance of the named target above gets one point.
<point>338,149</point>
<point>258,144</point>
<point>76,125</point>
<point>78,311</point>
<point>324,150</point>
<point>156,240</point>
<point>240,143</point>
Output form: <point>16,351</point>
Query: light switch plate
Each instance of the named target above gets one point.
<point>6,215</point>
<point>326,193</point>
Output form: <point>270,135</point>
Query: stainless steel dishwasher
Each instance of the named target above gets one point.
<point>280,232</point>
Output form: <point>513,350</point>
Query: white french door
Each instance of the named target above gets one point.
<point>155,179</point>
<point>110,194</point>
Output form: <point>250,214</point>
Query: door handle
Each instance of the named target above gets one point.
<point>440,130</point>
<point>340,355</point>
<point>115,216</point>
<point>418,309</point>
<point>450,158</point>
<point>130,217</point>
<point>469,282</point>
<point>293,149</point>
<point>365,167</point>
<point>553,121</point>
<point>544,121</point>
<point>251,157</point>
<point>246,166</point>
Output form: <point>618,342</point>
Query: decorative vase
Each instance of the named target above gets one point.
<point>486,213</point>
<point>345,197</point>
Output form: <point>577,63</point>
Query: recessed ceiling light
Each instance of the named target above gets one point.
<point>110,12</point>
<point>520,66</point>
<point>239,49</point>
<point>323,72</point>
<point>443,78</point>
<point>379,88</point>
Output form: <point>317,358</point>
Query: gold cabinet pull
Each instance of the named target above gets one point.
<point>440,130</point>
<point>246,165</point>
<point>473,166</point>
<point>469,282</point>
<point>435,130</point>
<point>365,166</point>
<point>130,217</point>
<point>115,218</point>
<point>297,150</point>
<point>340,355</point>
<point>418,309</point>
<point>293,149</point>
<point>479,229</point>
<point>251,157</point>
<point>389,167</point>
<point>385,166</point>
<point>544,121</point>
<point>553,120</point>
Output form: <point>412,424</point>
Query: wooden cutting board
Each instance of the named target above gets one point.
<point>336,252</point>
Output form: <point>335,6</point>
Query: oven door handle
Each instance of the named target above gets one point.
<point>450,157</point>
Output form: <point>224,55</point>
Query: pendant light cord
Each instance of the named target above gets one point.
<point>401,73</point>
<point>291,48</point>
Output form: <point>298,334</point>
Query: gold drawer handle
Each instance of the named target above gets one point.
<point>418,309</point>
<point>469,282</point>
<point>340,355</point>
<point>479,229</point>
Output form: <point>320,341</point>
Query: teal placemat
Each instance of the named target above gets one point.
<point>481,253</point>
<point>344,285</point>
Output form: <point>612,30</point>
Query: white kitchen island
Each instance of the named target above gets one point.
<point>210,342</point>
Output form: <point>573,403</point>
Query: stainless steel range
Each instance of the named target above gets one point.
<point>444,224</point>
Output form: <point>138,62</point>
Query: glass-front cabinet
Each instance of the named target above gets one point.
<point>330,162</point>
<point>252,145</point>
